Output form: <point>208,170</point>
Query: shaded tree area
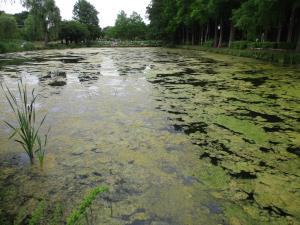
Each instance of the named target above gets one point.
<point>221,22</point>
<point>127,28</point>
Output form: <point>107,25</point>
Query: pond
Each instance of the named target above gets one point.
<point>179,137</point>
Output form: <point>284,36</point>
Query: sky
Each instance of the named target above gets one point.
<point>108,9</point>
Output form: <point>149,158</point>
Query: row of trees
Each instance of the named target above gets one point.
<point>223,21</point>
<point>43,22</point>
<point>127,28</point>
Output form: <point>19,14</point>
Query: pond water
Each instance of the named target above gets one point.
<point>179,137</point>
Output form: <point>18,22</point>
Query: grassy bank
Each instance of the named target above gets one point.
<point>20,45</point>
<point>274,56</point>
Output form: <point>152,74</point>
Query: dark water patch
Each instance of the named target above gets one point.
<point>207,60</point>
<point>136,211</point>
<point>214,208</point>
<point>250,197</point>
<point>294,150</point>
<point>168,168</point>
<point>192,127</point>
<point>210,71</point>
<point>276,129</point>
<point>213,159</point>
<point>272,96</point>
<point>77,153</point>
<point>71,60</point>
<point>266,150</point>
<point>81,177</point>
<point>58,83</point>
<point>254,81</point>
<point>243,175</point>
<point>84,77</point>
<point>187,71</point>
<point>253,71</point>
<point>189,180</point>
<point>268,117</point>
<point>273,210</point>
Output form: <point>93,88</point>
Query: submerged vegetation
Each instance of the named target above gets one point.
<point>27,129</point>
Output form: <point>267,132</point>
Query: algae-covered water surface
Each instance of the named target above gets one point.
<point>179,138</point>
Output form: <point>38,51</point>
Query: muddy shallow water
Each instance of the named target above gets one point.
<point>179,137</point>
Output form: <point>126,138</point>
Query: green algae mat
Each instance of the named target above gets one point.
<point>179,137</point>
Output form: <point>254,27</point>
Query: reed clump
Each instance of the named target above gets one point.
<point>27,129</point>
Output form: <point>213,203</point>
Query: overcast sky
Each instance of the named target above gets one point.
<point>108,9</point>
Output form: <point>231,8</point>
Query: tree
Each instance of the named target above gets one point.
<point>33,29</point>
<point>8,26</point>
<point>86,13</point>
<point>21,17</point>
<point>73,31</point>
<point>47,13</point>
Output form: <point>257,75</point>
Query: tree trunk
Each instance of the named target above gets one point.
<point>291,23</point>
<point>216,34</point>
<point>183,35</point>
<point>207,32</point>
<point>298,42</point>
<point>231,35</point>
<point>279,31</point>
<point>221,35</point>
<point>187,36</point>
<point>193,36</point>
<point>202,36</point>
<point>46,38</point>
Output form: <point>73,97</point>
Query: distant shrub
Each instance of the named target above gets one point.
<point>239,44</point>
<point>28,46</point>
<point>3,48</point>
<point>208,44</point>
<point>286,45</point>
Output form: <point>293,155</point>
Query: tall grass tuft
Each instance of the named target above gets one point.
<point>27,128</point>
<point>81,211</point>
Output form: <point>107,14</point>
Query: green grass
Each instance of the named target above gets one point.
<point>27,129</point>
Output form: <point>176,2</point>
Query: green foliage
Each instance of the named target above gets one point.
<point>286,45</point>
<point>127,28</point>
<point>84,12</point>
<point>46,14</point>
<point>73,31</point>
<point>28,46</point>
<point>27,128</point>
<point>21,17</point>
<point>8,27</point>
<point>208,44</point>
<point>33,30</point>
<point>239,44</point>
<point>37,214</point>
<point>77,214</point>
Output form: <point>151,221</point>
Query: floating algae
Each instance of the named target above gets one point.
<point>179,137</point>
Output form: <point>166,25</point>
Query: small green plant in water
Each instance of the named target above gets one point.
<point>27,128</point>
<point>78,213</point>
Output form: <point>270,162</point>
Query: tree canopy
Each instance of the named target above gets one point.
<point>47,13</point>
<point>127,28</point>
<point>222,21</point>
<point>85,13</point>
<point>8,26</point>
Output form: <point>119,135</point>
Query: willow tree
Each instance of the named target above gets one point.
<point>47,13</point>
